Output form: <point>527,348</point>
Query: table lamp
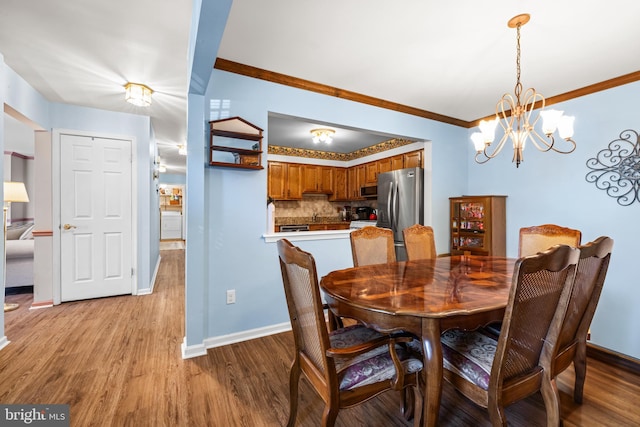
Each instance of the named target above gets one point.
<point>13,192</point>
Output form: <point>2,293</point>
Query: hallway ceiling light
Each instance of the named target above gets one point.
<point>515,119</point>
<point>322,135</point>
<point>138,94</point>
<point>182,150</point>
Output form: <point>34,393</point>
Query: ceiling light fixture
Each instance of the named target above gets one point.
<point>182,150</point>
<point>138,94</point>
<point>516,119</point>
<point>322,135</point>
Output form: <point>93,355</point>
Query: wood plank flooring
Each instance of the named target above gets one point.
<point>117,362</point>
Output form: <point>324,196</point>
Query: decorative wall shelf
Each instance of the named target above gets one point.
<point>235,143</point>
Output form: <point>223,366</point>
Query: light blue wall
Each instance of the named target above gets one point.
<point>236,257</point>
<point>172,178</point>
<point>551,188</point>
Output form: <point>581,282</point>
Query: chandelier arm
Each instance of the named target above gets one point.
<point>540,142</point>
<point>497,148</point>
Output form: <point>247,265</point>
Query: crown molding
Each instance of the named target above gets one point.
<point>259,73</point>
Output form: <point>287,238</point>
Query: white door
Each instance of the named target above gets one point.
<point>95,216</point>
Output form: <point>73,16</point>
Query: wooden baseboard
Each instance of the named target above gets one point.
<point>610,357</point>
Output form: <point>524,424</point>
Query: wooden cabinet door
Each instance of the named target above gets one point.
<point>276,180</point>
<point>371,173</point>
<point>413,159</point>
<point>385,165</point>
<point>397,162</point>
<point>360,180</point>
<point>294,181</point>
<point>326,176</point>
<point>310,178</point>
<point>352,183</point>
<point>340,187</point>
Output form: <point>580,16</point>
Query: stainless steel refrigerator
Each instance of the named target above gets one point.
<point>400,203</point>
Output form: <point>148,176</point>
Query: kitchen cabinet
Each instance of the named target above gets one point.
<point>385,165</point>
<point>371,173</point>
<point>478,225</point>
<point>340,185</point>
<point>355,180</point>
<point>317,179</point>
<point>413,159</point>
<point>397,162</point>
<point>235,143</point>
<point>331,226</point>
<point>284,181</point>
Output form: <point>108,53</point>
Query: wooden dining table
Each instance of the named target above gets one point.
<point>425,298</point>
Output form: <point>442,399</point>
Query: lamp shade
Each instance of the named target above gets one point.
<point>15,192</point>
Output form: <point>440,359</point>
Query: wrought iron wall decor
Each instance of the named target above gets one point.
<point>616,169</point>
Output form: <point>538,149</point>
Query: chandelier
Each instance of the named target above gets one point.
<point>515,115</point>
<point>138,94</point>
<point>322,135</point>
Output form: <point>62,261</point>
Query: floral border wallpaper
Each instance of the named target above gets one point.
<point>326,155</point>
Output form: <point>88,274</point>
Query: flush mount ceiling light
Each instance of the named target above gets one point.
<point>138,94</point>
<point>517,121</point>
<point>322,135</point>
<point>182,150</point>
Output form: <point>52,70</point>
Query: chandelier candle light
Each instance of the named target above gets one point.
<point>515,117</point>
<point>322,135</point>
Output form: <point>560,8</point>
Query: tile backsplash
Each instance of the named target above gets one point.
<point>315,204</point>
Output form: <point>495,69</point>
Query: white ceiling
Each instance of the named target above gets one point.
<point>451,58</point>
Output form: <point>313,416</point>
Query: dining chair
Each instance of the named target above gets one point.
<point>346,366</point>
<point>419,242</point>
<point>495,374</point>
<point>572,343</point>
<point>372,245</point>
<point>539,238</point>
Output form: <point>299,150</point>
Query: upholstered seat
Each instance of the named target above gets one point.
<point>419,242</point>
<point>495,373</point>
<point>347,366</point>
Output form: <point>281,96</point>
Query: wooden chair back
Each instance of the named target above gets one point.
<point>539,238</point>
<point>572,342</point>
<point>372,245</point>
<point>538,300</point>
<point>322,364</point>
<point>419,242</point>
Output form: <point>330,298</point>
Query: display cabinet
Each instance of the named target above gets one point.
<point>478,225</point>
<point>235,143</point>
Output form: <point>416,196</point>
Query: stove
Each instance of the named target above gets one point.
<point>355,225</point>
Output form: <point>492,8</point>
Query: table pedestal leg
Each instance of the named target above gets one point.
<point>432,369</point>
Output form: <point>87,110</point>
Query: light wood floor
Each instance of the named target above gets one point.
<point>117,362</point>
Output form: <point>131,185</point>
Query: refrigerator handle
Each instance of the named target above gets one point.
<point>389,197</point>
<point>394,217</point>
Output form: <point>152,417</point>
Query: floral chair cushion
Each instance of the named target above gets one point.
<point>469,355</point>
<point>371,367</point>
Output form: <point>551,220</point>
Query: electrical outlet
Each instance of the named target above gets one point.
<point>231,296</point>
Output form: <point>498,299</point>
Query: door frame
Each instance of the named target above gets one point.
<point>56,223</point>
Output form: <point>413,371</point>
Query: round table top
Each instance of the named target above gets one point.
<point>445,286</point>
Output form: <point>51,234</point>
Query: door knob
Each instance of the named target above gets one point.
<point>69,226</point>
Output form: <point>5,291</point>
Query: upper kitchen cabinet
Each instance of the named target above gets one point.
<point>413,159</point>
<point>235,143</point>
<point>284,181</point>
<point>340,185</point>
<point>317,179</point>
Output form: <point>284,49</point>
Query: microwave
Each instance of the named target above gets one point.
<point>369,191</point>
